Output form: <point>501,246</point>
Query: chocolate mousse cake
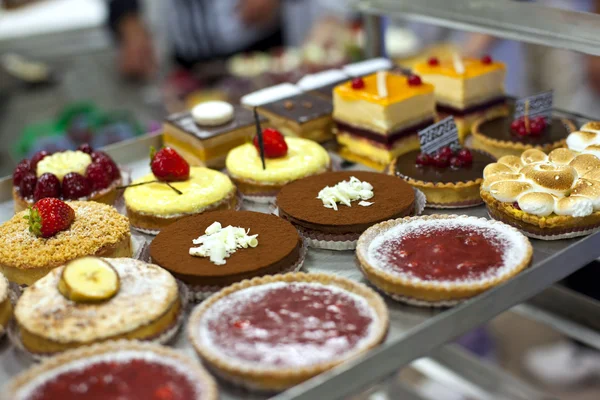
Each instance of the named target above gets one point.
<point>279,249</point>
<point>503,135</point>
<point>338,226</point>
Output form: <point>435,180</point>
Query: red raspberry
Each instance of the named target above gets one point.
<point>98,177</point>
<point>75,186</point>
<point>465,156</point>
<point>27,185</point>
<point>423,159</point>
<point>47,186</point>
<point>37,157</point>
<point>456,162</point>
<point>441,161</point>
<point>107,162</point>
<point>414,80</point>
<point>86,148</point>
<point>446,151</point>
<point>23,168</point>
<point>357,83</point>
<point>433,61</point>
<point>486,59</point>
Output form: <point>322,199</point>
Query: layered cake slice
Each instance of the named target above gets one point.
<point>467,89</point>
<point>377,117</point>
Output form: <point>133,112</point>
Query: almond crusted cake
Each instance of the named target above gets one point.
<point>146,305</point>
<point>98,229</point>
<point>439,260</point>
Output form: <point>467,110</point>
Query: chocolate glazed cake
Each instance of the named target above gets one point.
<point>298,203</point>
<point>279,249</point>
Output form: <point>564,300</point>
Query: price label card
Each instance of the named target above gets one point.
<point>438,135</point>
<point>539,104</point>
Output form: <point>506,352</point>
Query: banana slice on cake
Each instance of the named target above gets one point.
<point>88,279</point>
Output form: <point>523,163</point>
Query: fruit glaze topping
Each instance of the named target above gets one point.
<point>451,250</point>
<point>279,325</point>
<point>446,157</point>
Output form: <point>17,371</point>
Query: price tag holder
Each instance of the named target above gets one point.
<point>438,135</point>
<point>536,105</point>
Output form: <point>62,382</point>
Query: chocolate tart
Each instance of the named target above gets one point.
<point>279,249</point>
<point>147,306</point>
<point>440,260</point>
<point>98,230</point>
<point>121,369</point>
<point>495,137</point>
<point>444,187</point>
<point>5,305</point>
<point>298,203</point>
<point>275,332</point>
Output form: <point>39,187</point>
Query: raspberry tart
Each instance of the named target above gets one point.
<point>449,178</point>
<point>5,305</point>
<point>547,197</point>
<point>174,190</point>
<point>504,135</point>
<point>286,160</point>
<point>331,210</point>
<point>439,260</point>
<point>53,233</point>
<point>276,248</point>
<point>83,174</point>
<point>93,300</point>
<point>122,369</point>
<point>274,332</point>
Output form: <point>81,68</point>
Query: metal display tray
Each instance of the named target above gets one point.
<point>414,331</point>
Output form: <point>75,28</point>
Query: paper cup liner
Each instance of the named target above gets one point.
<point>346,241</point>
<point>199,293</point>
<point>565,235</point>
<point>164,338</point>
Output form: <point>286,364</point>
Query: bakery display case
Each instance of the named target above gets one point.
<point>414,331</point>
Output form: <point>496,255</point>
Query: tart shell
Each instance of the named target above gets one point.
<point>273,379</point>
<point>194,371</point>
<point>431,293</point>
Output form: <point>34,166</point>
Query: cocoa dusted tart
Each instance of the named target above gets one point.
<point>98,300</point>
<point>115,370</point>
<point>439,260</point>
<point>274,332</point>
<point>279,249</point>
<point>444,185</point>
<point>498,137</point>
<point>339,229</point>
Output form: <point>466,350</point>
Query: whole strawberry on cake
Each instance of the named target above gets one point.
<point>83,174</point>
<point>174,190</point>
<point>286,160</point>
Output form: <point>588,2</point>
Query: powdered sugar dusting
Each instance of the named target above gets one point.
<point>511,243</point>
<point>123,356</point>
<point>281,324</point>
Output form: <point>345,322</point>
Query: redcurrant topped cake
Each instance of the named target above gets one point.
<point>441,259</point>
<point>115,370</point>
<point>83,174</point>
<point>449,178</point>
<point>274,332</point>
<point>506,135</point>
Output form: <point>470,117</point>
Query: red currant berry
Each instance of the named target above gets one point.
<point>414,80</point>
<point>423,159</point>
<point>516,124</point>
<point>433,61</point>
<point>446,151</point>
<point>486,59</point>
<point>535,128</point>
<point>358,83</point>
<point>465,156</point>
<point>541,121</point>
<point>456,162</point>
<point>522,131</point>
<point>441,160</point>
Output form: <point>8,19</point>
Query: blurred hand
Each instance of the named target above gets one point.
<point>258,12</point>
<point>136,53</point>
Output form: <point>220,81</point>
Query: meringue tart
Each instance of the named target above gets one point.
<point>145,306</point>
<point>5,304</point>
<point>322,321</point>
<point>116,370</point>
<point>97,230</point>
<point>586,139</point>
<point>547,197</point>
<point>155,205</point>
<point>440,260</point>
<point>495,136</point>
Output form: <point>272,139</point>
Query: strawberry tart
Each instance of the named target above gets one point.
<point>83,174</point>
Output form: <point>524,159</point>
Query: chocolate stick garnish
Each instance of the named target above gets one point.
<point>261,143</point>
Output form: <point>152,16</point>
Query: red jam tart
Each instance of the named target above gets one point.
<point>83,174</point>
<point>441,259</point>
<point>116,370</point>
<point>274,332</point>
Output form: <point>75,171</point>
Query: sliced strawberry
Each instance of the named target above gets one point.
<point>49,216</point>
<point>75,186</point>
<point>98,176</point>
<point>48,185</point>
<point>168,166</point>
<point>274,142</point>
